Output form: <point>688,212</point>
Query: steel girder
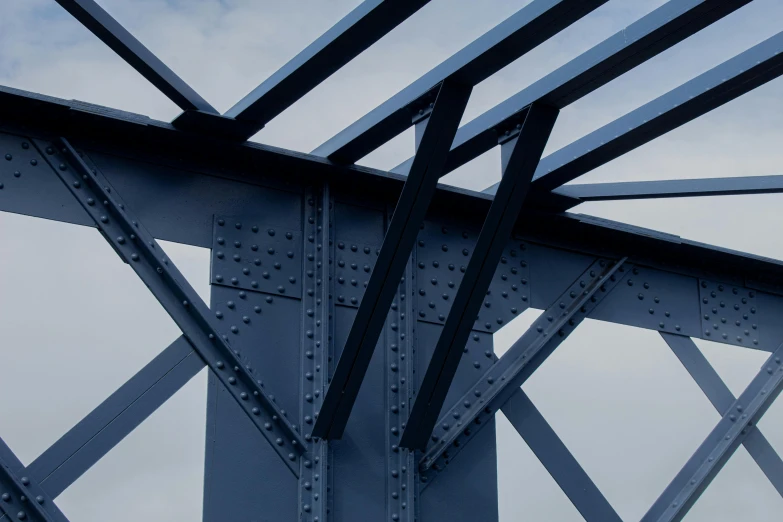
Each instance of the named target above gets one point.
<point>649,36</point>
<point>675,188</point>
<point>114,35</point>
<point>721,84</point>
<point>363,26</point>
<point>511,39</point>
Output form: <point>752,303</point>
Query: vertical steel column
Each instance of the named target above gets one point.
<point>401,501</point>
<point>316,346</point>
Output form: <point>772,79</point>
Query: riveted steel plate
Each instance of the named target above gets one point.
<point>354,264</point>
<point>253,256</point>
<point>442,255</point>
<point>729,313</point>
<point>19,160</point>
<point>653,299</point>
<point>243,472</point>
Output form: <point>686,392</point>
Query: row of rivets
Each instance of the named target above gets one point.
<point>400,361</point>
<point>314,476</point>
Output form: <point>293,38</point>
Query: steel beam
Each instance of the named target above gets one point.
<point>647,37</point>
<point>361,28</point>
<point>558,461</point>
<point>463,420</point>
<point>518,34</point>
<point>400,237</point>
<point>721,398</point>
<point>732,430</point>
<point>139,249</point>
<point>672,188</point>
<point>110,32</point>
<point>94,436</point>
<point>316,352</point>
<point>719,85</point>
<point>524,152</point>
<point>21,498</point>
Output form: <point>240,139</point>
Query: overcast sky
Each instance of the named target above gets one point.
<point>616,395</point>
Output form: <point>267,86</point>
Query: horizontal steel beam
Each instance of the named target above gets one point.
<point>94,436</point>
<point>647,37</point>
<point>398,243</point>
<point>719,85</point>
<point>524,152</point>
<point>732,430</point>
<point>362,27</point>
<point>672,188</point>
<point>558,461</point>
<point>136,246</point>
<point>460,423</point>
<point>721,398</point>
<point>138,141</point>
<point>110,32</point>
<point>512,38</point>
<point>22,498</point>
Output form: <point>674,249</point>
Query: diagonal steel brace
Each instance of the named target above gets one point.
<point>460,423</point>
<point>136,246</point>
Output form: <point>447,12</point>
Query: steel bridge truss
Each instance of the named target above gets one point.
<point>349,334</point>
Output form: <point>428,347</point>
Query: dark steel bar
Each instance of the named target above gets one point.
<point>139,249</point>
<point>94,436</point>
<point>463,420</point>
<point>400,237</point>
<point>673,188</point>
<point>558,461</point>
<point>721,398</point>
<point>518,34</point>
<point>110,32</point>
<point>526,149</point>
<point>21,498</point>
<point>649,36</point>
<point>361,28</point>
<point>719,446</point>
<point>719,85</point>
